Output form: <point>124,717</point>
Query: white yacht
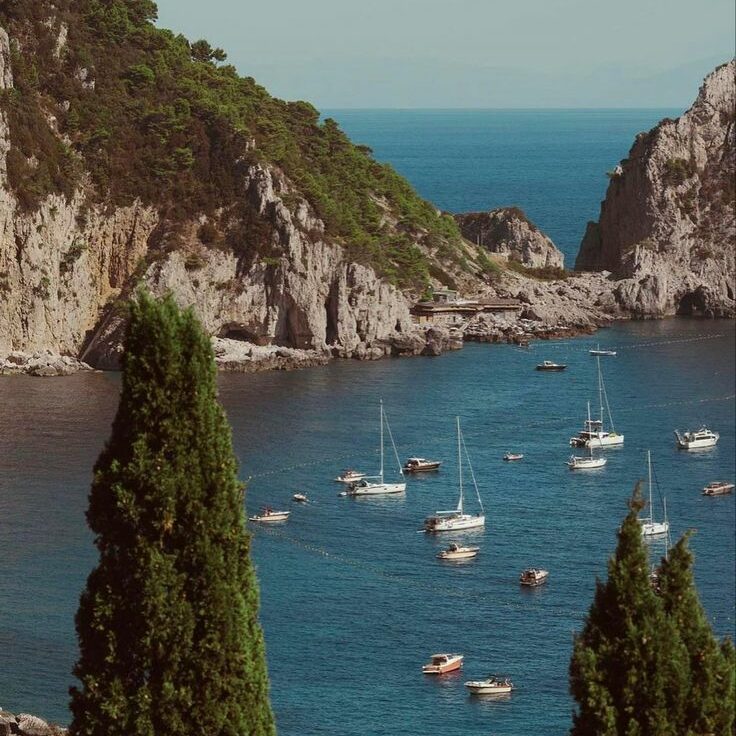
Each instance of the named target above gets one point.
<point>695,440</point>
<point>457,520</point>
<point>593,434</point>
<point>456,552</point>
<point>375,485</point>
<point>586,463</point>
<point>650,527</point>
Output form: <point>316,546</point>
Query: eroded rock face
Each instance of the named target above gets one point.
<point>508,231</point>
<point>667,228</point>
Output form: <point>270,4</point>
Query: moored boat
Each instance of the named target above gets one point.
<point>456,520</point>
<point>349,476</point>
<point>649,526</point>
<point>420,465</point>
<point>533,576</point>
<point>511,456</point>
<point>441,664</point>
<point>696,440</point>
<point>718,488</point>
<point>493,685</point>
<point>598,351</point>
<point>593,434</point>
<point>268,515</point>
<point>585,463</point>
<point>548,365</point>
<point>300,497</point>
<point>456,552</point>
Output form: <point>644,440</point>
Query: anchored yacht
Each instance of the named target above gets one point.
<point>696,440</point>
<point>593,434</point>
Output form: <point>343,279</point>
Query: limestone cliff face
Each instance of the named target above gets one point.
<point>507,231</point>
<point>64,265</point>
<point>667,227</point>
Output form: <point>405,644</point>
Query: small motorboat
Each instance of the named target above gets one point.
<point>511,456</point>
<point>548,365</point>
<point>440,664</point>
<point>420,465</point>
<point>300,498</point>
<point>718,488</point>
<point>598,351</point>
<point>533,576</point>
<point>456,552</point>
<point>349,476</point>
<point>493,685</point>
<point>696,440</point>
<point>268,515</point>
<point>585,463</point>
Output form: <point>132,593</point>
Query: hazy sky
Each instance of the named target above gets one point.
<point>467,53</point>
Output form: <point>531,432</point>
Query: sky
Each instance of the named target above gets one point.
<point>467,53</point>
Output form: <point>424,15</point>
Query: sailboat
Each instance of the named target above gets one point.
<point>375,485</point>
<point>456,520</point>
<point>593,434</point>
<point>650,527</point>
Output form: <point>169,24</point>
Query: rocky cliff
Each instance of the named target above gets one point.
<point>508,232</point>
<point>667,229</point>
<point>126,171</point>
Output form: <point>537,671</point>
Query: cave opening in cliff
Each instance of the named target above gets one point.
<point>692,303</point>
<point>236,331</point>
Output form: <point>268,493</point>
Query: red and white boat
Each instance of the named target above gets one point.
<point>440,664</point>
<point>718,488</point>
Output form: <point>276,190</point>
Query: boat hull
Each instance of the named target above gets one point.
<point>478,688</point>
<point>532,581</point>
<point>611,440</point>
<point>378,489</point>
<point>722,489</point>
<point>654,528</point>
<point>551,368</point>
<point>696,444</point>
<point>451,665</point>
<point>586,464</point>
<point>270,518</point>
<point>466,554</point>
<point>426,468</point>
<point>455,524</point>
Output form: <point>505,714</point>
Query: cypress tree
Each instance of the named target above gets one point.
<point>169,637</point>
<point>709,702</point>
<point>628,669</point>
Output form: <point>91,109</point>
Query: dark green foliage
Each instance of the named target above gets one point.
<point>169,637</point>
<point>634,665</point>
<point>542,273</point>
<point>166,124</point>
<point>709,702</point>
<point>678,170</point>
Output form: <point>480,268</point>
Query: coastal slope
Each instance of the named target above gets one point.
<point>667,230</point>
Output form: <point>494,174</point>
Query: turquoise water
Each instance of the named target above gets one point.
<point>353,599</point>
<point>551,163</point>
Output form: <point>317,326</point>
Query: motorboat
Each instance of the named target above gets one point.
<point>586,463</point>
<point>493,685</point>
<point>598,351</point>
<point>300,498</point>
<point>349,476</point>
<point>375,485</point>
<point>456,552</point>
<point>420,465</point>
<point>457,519</point>
<point>268,516</point>
<point>718,488</point>
<point>695,440</point>
<point>593,433</point>
<point>511,456</point>
<point>649,526</point>
<point>440,664</point>
<point>548,365</point>
<point>533,576</point>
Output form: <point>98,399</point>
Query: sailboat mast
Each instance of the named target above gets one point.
<point>649,465</point>
<point>381,473</point>
<point>459,467</point>
<point>600,389</point>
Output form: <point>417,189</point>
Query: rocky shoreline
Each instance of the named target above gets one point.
<point>24,724</point>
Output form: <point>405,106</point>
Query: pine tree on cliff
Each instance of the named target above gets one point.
<point>628,671</point>
<point>169,637</point>
<point>709,706</point>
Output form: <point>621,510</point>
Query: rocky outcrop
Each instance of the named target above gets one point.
<point>667,228</point>
<point>507,231</point>
<point>41,363</point>
<point>27,725</point>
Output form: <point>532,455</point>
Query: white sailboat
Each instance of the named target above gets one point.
<point>457,519</point>
<point>650,527</point>
<point>375,485</point>
<point>593,434</point>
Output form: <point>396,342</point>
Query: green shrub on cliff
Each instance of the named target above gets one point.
<point>168,631</point>
<point>152,116</point>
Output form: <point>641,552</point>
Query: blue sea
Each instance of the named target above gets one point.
<point>551,163</point>
<point>353,599</point>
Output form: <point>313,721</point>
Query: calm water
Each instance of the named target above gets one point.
<point>353,599</point>
<point>551,163</point>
